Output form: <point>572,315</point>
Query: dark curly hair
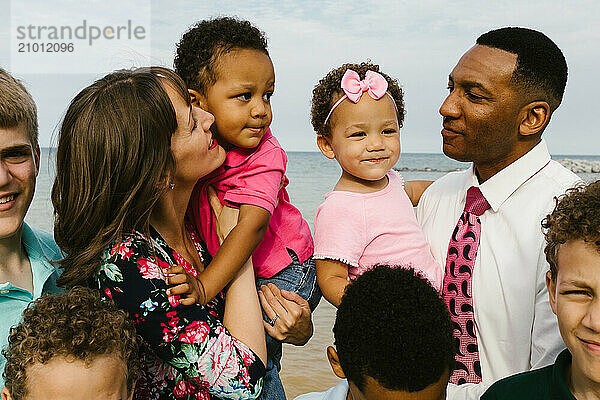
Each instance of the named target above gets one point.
<point>576,216</point>
<point>393,326</point>
<point>541,67</point>
<point>77,324</point>
<point>199,50</point>
<point>328,91</point>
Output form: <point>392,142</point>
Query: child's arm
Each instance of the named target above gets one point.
<point>415,189</point>
<point>235,250</point>
<point>332,277</point>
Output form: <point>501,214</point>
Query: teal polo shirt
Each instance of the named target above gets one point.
<point>546,383</point>
<point>41,250</point>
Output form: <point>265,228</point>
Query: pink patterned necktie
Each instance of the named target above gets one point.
<point>457,289</point>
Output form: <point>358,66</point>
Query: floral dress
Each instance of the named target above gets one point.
<point>186,351</point>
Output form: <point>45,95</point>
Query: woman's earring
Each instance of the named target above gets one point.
<point>171,185</point>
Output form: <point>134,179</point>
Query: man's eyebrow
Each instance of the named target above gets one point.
<point>474,85</point>
<point>20,148</point>
<point>466,84</point>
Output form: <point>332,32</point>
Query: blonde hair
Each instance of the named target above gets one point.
<point>17,106</point>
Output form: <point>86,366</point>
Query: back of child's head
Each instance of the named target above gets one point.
<point>393,326</point>
<point>199,50</point>
<point>77,325</point>
<point>575,217</point>
<point>329,90</point>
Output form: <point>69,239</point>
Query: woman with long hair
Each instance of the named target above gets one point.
<point>130,150</point>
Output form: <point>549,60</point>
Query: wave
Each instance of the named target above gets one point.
<point>581,166</point>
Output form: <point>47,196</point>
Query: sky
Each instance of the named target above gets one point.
<point>416,42</point>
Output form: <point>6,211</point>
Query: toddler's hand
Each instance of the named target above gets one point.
<point>183,286</point>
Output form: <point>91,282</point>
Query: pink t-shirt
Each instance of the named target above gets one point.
<point>367,229</point>
<point>255,177</point>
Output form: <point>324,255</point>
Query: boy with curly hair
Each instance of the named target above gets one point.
<point>393,339</point>
<point>573,252</point>
<point>71,346</point>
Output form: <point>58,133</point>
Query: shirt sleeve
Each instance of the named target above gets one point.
<point>258,184</point>
<point>466,391</point>
<point>422,208</point>
<point>340,229</point>
<point>192,339</point>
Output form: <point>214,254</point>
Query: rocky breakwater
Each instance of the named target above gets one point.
<point>581,166</point>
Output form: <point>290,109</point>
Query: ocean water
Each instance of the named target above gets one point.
<point>311,175</point>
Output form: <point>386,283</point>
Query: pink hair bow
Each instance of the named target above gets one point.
<point>374,84</point>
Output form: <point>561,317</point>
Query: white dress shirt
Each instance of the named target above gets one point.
<point>516,329</point>
<point>338,392</point>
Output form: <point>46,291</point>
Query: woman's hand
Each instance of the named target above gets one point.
<point>226,217</point>
<point>187,286</point>
<point>293,323</point>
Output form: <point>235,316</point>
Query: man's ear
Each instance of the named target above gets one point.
<point>325,147</point>
<point>551,285</point>
<point>196,98</point>
<point>335,362</point>
<point>534,117</point>
<point>5,394</point>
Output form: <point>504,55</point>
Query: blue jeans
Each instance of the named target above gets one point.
<point>299,278</point>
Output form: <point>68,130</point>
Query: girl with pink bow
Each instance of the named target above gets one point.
<point>368,218</point>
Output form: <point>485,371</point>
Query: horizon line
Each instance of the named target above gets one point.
<point>413,152</point>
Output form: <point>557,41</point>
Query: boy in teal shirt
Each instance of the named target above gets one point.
<point>26,270</point>
<point>573,252</point>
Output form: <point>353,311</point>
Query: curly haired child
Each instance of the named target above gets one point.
<point>226,65</point>
<point>71,346</point>
<point>367,219</point>
<point>392,339</point>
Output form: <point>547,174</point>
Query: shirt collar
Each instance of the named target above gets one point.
<point>505,182</point>
<point>338,392</point>
<point>237,156</point>
<point>41,267</point>
<point>560,390</point>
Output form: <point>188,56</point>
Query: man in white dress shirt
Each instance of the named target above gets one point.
<point>503,92</point>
